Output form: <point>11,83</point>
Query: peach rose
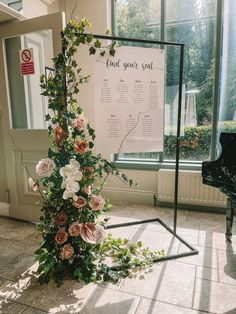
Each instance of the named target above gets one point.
<point>80,202</point>
<point>67,252</point>
<point>88,172</point>
<point>60,136</point>
<point>61,218</point>
<point>81,146</point>
<point>74,229</point>
<point>61,236</point>
<point>96,202</point>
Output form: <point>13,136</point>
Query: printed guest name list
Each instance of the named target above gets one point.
<point>129,101</point>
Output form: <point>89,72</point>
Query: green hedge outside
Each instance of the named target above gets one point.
<point>195,144</point>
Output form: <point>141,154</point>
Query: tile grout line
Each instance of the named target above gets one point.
<point>218,265</point>
<point>194,286</point>
<point>139,301</point>
<point>89,297</point>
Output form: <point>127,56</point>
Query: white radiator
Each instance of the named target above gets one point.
<point>191,189</point>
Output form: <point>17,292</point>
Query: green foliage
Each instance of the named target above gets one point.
<point>74,245</point>
<point>195,143</point>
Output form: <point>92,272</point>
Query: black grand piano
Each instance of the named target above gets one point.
<point>221,173</point>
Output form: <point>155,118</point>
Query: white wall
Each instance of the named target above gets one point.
<point>33,8</point>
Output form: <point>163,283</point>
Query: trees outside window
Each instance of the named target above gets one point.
<point>192,22</point>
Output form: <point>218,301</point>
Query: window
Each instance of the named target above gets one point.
<point>192,22</point>
<point>14,4</point>
<point>227,112</point>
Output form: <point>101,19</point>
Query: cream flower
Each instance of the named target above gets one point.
<point>67,195</point>
<point>72,186</point>
<point>71,171</point>
<point>74,163</point>
<point>96,202</point>
<point>45,167</point>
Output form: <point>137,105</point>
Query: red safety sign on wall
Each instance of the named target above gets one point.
<point>27,61</point>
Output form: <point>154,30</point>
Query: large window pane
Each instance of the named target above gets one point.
<point>227,113</point>
<point>191,22</point>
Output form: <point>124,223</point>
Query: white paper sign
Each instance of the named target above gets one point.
<point>129,101</point>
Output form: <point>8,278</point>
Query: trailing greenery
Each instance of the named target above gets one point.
<point>72,222</point>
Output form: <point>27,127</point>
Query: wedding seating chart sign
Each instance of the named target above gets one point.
<point>129,101</point>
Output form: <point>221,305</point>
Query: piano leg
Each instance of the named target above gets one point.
<point>229,218</point>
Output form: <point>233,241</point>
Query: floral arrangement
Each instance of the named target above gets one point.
<point>70,182</point>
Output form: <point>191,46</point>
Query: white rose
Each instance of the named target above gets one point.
<point>66,171</point>
<point>72,186</point>
<point>78,175</point>
<point>71,172</point>
<point>74,163</point>
<point>63,184</point>
<point>67,195</point>
<point>45,167</point>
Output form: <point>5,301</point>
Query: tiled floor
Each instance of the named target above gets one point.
<point>205,283</point>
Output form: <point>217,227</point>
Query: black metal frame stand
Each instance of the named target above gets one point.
<point>172,231</point>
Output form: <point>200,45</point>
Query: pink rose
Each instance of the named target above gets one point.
<point>67,252</point>
<point>96,202</point>
<point>79,123</point>
<point>80,202</point>
<point>45,167</point>
<point>100,233</point>
<point>33,185</point>
<point>92,233</point>
<point>74,229</point>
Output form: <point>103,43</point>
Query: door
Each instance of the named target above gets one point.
<point>23,108</point>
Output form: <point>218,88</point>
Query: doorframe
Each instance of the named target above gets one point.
<point>56,23</point>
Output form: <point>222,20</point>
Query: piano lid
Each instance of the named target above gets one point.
<point>221,172</point>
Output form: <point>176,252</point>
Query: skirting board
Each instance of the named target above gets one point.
<point>4,209</point>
